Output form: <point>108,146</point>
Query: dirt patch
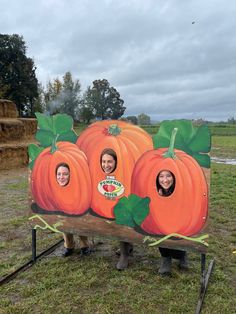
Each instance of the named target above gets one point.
<point>14,228</point>
<point>13,191</point>
<point>12,176</point>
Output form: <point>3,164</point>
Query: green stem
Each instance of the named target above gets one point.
<point>113,129</point>
<point>46,225</point>
<point>170,152</point>
<point>54,146</point>
<point>200,239</point>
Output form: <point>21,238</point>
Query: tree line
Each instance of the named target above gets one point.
<point>18,82</point>
<point>100,101</point>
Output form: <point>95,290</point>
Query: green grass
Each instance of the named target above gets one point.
<point>92,285</point>
<point>224,146</point>
<point>223,129</point>
<point>18,186</point>
<point>151,129</point>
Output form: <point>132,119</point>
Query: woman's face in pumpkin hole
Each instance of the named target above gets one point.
<point>165,179</point>
<point>63,176</point>
<point>108,163</point>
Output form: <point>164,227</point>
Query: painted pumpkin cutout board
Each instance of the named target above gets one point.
<point>115,181</point>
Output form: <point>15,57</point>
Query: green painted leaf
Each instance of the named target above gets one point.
<point>54,129</point>
<point>62,123</point>
<point>44,122</point>
<point>132,210</point>
<point>123,213</point>
<point>204,160</point>
<point>141,210</point>
<point>34,151</point>
<point>45,137</point>
<point>201,142</point>
<point>193,141</point>
<point>31,164</point>
<point>162,138</point>
<point>69,136</point>
<point>184,129</point>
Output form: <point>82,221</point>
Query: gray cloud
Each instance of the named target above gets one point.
<point>169,59</point>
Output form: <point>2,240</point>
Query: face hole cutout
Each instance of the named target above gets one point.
<point>108,160</point>
<point>165,183</point>
<point>63,174</point>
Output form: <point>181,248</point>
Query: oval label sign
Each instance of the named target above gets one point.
<point>111,188</point>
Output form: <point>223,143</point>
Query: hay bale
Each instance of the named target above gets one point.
<point>13,156</point>
<point>14,134</point>
<point>30,127</point>
<point>11,130</point>
<point>17,129</point>
<point>8,109</point>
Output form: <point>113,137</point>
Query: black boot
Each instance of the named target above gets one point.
<point>131,249</point>
<point>125,248</point>
<point>85,251</point>
<point>183,262</point>
<point>165,268</point>
<point>67,252</point>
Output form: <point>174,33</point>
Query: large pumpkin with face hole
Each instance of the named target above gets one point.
<point>185,210</point>
<point>129,142</point>
<point>75,197</point>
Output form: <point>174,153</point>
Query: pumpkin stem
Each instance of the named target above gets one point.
<point>54,146</point>
<point>113,129</point>
<point>170,152</point>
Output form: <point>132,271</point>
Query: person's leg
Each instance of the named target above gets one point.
<point>69,244</point>
<point>125,249</point>
<point>165,266</point>
<point>167,254</point>
<point>183,259</point>
<point>181,256</point>
<point>131,249</point>
<point>84,245</point>
<point>176,254</point>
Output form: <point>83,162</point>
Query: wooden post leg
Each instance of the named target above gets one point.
<point>34,249</point>
<point>204,281</point>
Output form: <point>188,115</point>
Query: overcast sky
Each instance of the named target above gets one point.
<point>170,59</point>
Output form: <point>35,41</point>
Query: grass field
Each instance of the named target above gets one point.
<point>216,129</point>
<point>92,285</point>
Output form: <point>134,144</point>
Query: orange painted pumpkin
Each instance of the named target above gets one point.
<point>75,197</point>
<point>185,210</point>
<point>129,142</point>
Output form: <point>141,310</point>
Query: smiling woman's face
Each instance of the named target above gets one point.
<point>165,179</point>
<point>63,176</point>
<point>108,163</point>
